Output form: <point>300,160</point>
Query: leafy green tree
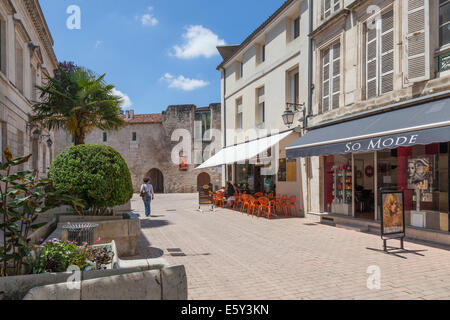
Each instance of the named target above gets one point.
<point>94,173</point>
<point>78,101</point>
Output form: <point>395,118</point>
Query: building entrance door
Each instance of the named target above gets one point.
<point>364,170</point>
<point>157,180</point>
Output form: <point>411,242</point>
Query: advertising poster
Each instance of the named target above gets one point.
<point>393,217</point>
<point>420,173</point>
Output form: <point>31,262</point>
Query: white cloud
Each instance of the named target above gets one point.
<point>199,41</point>
<point>149,19</point>
<point>98,43</point>
<point>183,83</point>
<point>127,103</point>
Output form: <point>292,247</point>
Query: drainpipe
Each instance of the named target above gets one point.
<point>310,66</point>
<point>310,111</point>
<point>224,107</point>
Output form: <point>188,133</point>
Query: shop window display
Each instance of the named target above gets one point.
<point>338,184</point>
<point>422,173</point>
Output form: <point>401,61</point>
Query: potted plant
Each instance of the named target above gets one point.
<point>99,176</point>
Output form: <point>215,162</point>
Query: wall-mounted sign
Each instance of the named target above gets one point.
<point>183,162</point>
<point>389,142</point>
<point>393,213</point>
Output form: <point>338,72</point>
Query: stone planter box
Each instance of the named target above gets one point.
<point>145,279</point>
<point>124,230</point>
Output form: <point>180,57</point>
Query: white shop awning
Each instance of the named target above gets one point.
<point>244,151</point>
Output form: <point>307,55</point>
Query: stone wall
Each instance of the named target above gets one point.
<point>153,147</point>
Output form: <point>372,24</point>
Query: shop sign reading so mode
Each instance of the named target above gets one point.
<point>381,143</point>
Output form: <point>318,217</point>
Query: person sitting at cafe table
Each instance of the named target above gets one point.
<point>230,191</point>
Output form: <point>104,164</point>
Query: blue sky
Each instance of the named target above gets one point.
<point>157,53</point>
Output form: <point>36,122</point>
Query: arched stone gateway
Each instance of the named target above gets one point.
<point>202,179</point>
<point>157,180</point>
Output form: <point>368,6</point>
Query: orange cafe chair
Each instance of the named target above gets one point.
<point>265,204</point>
<point>290,203</point>
<point>245,202</point>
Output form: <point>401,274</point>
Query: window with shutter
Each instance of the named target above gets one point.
<point>380,55</point>
<point>331,77</point>
<point>417,41</point>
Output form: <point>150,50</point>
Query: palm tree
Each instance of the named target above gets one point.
<point>78,101</point>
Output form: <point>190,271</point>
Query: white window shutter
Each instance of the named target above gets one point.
<point>387,53</point>
<point>417,40</point>
<point>336,76</point>
<point>326,64</point>
<point>372,48</point>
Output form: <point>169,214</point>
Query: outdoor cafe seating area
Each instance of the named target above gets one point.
<point>259,205</point>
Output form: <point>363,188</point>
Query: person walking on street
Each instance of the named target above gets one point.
<point>147,195</point>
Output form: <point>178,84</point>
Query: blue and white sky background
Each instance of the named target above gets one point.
<point>157,53</point>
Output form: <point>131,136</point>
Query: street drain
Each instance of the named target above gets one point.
<point>178,254</point>
<point>171,210</point>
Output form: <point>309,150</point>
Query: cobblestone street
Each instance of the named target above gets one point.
<point>231,256</point>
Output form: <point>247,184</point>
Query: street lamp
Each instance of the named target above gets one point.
<point>291,110</point>
<point>36,134</point>
<point>49,142</point>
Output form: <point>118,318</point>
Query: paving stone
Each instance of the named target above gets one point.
<point>229,255</point>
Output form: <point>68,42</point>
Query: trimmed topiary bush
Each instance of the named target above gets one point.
<point>94,173</point>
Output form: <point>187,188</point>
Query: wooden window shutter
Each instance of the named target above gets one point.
<point>326,80</point>
<point>387,52</point>
<point>331,84</point>
<point>371,61</point>
<point>416,19</point>
<point>336,81</point>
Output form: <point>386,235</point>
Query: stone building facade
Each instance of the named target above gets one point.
<point>26,59</point>
<point>151,146</point>
<point>372,61</point>
<point>260,78</point>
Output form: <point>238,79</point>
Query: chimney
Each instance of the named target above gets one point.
<point>129,114</point>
